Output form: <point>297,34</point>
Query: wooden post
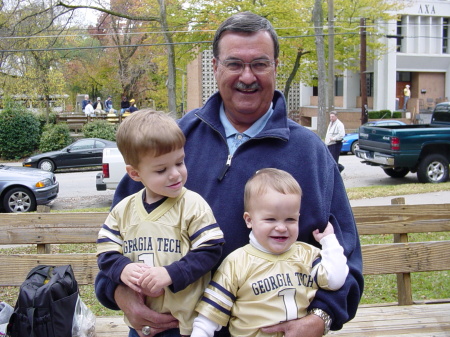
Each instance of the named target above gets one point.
<point>403,279</point>
<point>43,248</point>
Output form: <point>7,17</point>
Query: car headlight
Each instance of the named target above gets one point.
<point>43,183</point>
<point>27,160</point>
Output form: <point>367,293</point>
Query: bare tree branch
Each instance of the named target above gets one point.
<point>111,12</point>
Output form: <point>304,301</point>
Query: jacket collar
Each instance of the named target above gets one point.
<point>277,126</point>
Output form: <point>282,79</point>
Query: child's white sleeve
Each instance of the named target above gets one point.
<point>204,327</point>
<point>334,261</point>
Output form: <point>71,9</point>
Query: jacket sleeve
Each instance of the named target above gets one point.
<point>104,286</point>
<point>193,265</point>
<point>342,304</point>
<point>341,132</point>
<point>104,290</point>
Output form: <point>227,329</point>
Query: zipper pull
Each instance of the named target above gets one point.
<point>225,168</point>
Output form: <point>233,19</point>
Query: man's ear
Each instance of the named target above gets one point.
<point>248,219</point>
<point>133,173</point>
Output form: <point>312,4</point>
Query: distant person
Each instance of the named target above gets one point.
<point>124,105</point>
<point>163,240</point>
<point>84,102</point>
<point>406,95</point>
<point>89,109</point>
<point>334,136</point>
<point>275,277</point>
<point>108,104</point>
<point>133,106</point>
<point>98,106</point>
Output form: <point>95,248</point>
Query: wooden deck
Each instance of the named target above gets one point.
<point>417,320</point>
<point>420,320</point>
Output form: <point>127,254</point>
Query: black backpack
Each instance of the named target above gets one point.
<point>46,303</point>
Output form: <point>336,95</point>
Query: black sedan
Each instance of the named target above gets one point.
<point>22,189</point>
<point>83,153</point>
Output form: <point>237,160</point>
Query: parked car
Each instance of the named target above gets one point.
<point>350,141</point>
<point>83,153</point>
<point>22,188</point>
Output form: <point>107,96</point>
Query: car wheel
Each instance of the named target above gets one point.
<point>433,169</point>
<point>19,199</point>
<point>396,172</point>
<point>355,146</point>
<point>46,165</point>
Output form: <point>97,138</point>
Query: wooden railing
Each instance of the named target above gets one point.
<point>399,257</point>
<point>77,121</point>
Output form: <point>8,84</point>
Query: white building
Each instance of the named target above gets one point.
<point>420,59</point>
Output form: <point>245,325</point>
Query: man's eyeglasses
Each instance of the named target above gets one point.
<point>257,66</point>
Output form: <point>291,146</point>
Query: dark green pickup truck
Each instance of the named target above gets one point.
<point>401,149</point>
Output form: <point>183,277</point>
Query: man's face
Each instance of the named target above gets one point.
<point>333,117</point>
<point>246,95</point>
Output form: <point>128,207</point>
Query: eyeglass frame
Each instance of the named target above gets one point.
<point>244,64</point>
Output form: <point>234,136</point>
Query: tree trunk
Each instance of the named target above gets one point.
<point>330,55</point>
<point>319,40</point>
<point>171,69</point>
<point>294,72</point>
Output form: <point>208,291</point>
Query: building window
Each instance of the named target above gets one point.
<point>399,33</point>
<point>445,36</point>
<point>403,76</point>
<point>338,86</point>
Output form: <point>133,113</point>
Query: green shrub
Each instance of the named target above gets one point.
<point>55,137</point>
<point>100,129</point>
<point>397,114</point>
<point>384,114</point>
<point>374,114</point>
<point>19,132</point>
<point>43,119</point>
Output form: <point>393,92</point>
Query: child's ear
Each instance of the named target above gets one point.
<point>133,173</point>
<point>248,219</point>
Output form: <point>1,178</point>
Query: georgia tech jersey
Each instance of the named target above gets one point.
<point>160,238</point>
<point>252,289</point>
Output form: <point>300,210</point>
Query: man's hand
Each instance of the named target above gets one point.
<point>308,326</point>
<point>139,315</point>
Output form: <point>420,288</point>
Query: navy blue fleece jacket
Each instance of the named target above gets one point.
<point>282,144</point>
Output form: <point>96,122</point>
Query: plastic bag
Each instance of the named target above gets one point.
<point>83,321</point>
<point>5,313</point>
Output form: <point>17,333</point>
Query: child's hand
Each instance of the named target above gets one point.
<point>154,279</point>
<point>131,273</point>
<point>327,231</point>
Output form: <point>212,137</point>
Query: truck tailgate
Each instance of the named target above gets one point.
<point>375,138</point>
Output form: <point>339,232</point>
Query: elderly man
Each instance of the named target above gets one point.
<point>334,136</point>
<point>239,130</point>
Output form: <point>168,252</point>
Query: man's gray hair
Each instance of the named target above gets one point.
<point>246,22</point>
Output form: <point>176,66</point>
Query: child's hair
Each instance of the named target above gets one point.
<point>278,180</point>
<point>148,132</point>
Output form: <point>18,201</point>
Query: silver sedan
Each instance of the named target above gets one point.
<point>22,189</point>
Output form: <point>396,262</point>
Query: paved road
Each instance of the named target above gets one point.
<point>77,189</point>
